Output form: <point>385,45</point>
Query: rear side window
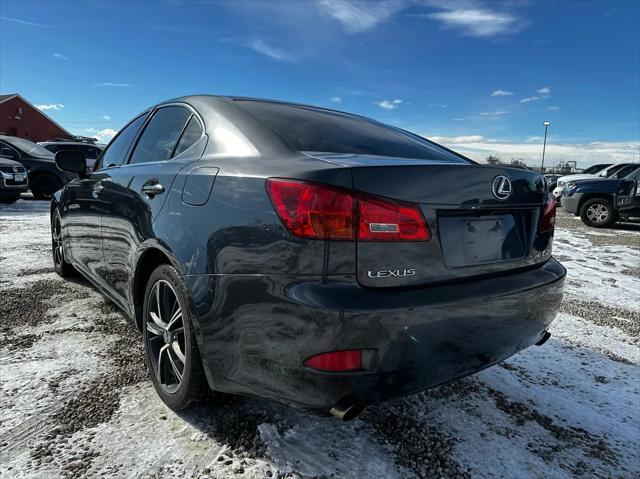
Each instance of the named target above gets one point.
<point>313,129</point>
<point>116,151</point>
<point>161,135</point>
<point>191,134</point>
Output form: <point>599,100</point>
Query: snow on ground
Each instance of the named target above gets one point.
<point>75,402</point>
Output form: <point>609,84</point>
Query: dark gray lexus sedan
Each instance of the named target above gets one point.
<point>313,257</point>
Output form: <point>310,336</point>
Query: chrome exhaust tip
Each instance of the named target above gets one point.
<point>347,408</point>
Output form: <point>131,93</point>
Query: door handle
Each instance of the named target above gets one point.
<point>152,189</point>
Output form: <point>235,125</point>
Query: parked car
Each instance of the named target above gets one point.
<point>309,256</point>
<point>44,176</point>
<point>13,180</point>
<point>596,200</point>
<point>91,151</point>
<point>604,173</point>
<point>551,180</point>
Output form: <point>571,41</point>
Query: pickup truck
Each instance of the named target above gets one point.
<point>599,201</point>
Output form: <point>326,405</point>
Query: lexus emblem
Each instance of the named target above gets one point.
<point>15,169</point>
<point>501,187</point>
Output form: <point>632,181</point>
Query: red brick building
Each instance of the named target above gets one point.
<point>20,118</point>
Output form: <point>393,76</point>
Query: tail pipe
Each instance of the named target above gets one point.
<point>347,408</point>
<point>544,339</point>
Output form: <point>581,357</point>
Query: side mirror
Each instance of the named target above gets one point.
<point>8,153</point>
<point>72,161</point>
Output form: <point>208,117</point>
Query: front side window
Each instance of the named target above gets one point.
<point>116,151</point>
<point>317,130</point>
<point>161,135</point>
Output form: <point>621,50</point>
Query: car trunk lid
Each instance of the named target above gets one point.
<point>476,228</point>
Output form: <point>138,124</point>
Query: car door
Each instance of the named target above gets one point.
<point>139,189</point>
<point>83,205</point>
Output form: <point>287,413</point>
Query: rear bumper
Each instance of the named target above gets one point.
<point>256,332</point>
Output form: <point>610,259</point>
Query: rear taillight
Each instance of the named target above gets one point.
<point>548,219</point>
<point>311,210</point>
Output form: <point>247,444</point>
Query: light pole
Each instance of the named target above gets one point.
<point>546,124</point>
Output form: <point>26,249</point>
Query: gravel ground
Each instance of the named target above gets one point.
<point>75,400</point>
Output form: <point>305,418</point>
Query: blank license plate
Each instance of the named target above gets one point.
<point>471,241</point>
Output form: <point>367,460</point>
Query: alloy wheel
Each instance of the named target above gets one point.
<point>56,242</point>
<point>597,213</point>
<point>165,336</point>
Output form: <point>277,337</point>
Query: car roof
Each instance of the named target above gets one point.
<point>82,143</point>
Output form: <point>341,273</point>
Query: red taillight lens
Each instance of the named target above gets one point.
<point>384,220</point>
<point>317,211</point>
<point>336,361</point>
<point>313,211</point>
<point>548,219</point>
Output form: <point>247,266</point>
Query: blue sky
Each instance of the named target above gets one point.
<point>479,76</point>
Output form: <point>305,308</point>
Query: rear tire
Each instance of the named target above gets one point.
<point>60,265</point>
<point>44,185</point>
<point>171,351</point>
<point>598,213</point>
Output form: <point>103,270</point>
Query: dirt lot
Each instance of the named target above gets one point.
<point>75,400</point>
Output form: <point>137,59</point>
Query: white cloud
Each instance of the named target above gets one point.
<point>50,106</point>
<point>24,22</point>
<point>534,139</point>
<point>458,140</point>
<point>501,93</point>
<point>111,84</point>
<point>359,16</point>
<point>389,104</point>
<point>105,117</point>
<point>478,22</point>
<point>530,99</point>
<point>584,154</point>
<point>59,56</point>
<point>494,113</point>
<point>103,136</point>
<point>544,91</point>
<point>553,108</point>
<point>437,105</point>
<point>336,99</point>
<point>272,52</point>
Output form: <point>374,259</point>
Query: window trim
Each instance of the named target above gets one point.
<point>135,139</point>
<point>154,110</point>
<point>202,133</point>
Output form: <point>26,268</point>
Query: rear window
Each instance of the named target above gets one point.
<point>312,129</point>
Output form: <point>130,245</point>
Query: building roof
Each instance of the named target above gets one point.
<point>9,96</point>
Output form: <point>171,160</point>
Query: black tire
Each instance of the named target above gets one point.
<point>7,200</point>
<point>60,265</point>
<point>44,185</point>
<point>598,213</point>
<point>173,345</point>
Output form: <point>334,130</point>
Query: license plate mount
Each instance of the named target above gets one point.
<point>472,241</point>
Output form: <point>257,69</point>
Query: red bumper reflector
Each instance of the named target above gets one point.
<point>336,361</point>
